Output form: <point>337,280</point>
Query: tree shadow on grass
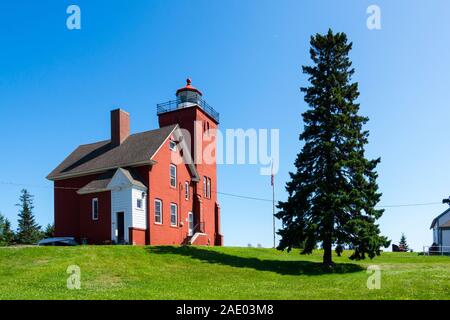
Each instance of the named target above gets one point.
<point>289,267</point>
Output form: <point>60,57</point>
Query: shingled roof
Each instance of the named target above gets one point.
<point>137,149</point>
<point>99,184</point>
<point>102,181</point>
<point>438,217</point>
<point>445,224</point>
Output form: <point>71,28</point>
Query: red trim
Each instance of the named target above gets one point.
<point>188,87</point>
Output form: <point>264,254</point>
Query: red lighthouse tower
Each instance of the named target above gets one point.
<point>193,114</point>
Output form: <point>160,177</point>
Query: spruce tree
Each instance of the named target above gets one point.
<point>333,193</point>
<point>49,231</point>
<point>28,232</point>
<point>2,230</point>
<point>403,244</point>
<point>6,234</point>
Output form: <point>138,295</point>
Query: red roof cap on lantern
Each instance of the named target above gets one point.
<point>188,87</point>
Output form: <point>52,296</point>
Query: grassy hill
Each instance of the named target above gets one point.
<point>125,272</point>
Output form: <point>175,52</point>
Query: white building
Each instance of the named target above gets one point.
<point>441,230</point>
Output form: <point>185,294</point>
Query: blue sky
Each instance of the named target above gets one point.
<point>58,86</point>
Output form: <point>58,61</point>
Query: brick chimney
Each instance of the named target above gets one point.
<point>120,126</point>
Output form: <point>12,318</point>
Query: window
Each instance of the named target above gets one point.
<point>139,203</point>
<point>158,211</point>
<point>186,190</point>
<point>208,188</point>
<point>95,209</point>
<point>173,215</point>
<point>172,145</point>
<point>173,176</point>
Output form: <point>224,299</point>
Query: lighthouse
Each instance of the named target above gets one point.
<point>191,112</point>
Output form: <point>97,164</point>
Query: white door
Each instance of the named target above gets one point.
<point>191,223</point>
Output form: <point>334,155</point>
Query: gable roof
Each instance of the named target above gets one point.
<point>137,149</point>
<point>131,175</point>
<point>445,224</point>
<point>186,155</point>
<point>99,184</point>
<point>438,217</point>
<point>102,182</point>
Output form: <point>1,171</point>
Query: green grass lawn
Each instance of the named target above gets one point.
<point>125,272</point>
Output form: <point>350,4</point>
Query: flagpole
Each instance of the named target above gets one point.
<point>272,178</point>
<point>273,211</point>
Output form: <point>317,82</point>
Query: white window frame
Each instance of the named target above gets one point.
<point>190,231</point>
<point>174,205</point>
<point>208,188</point>
<point>174,178</point>
<point>141,201</point>
<point>93,207</point>
<point>160,211</point>
<point>205,183</point>
<point>172,145</point>
<point>187,192</point>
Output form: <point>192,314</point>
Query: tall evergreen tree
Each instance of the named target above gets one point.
<point>28,232</point>
<point>403,242</point>
<point>333,193</point>
<point>2,230</point>
<point>6,234</point>
<point>49,231</point>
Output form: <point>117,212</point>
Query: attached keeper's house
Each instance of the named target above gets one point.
<point>139,188</point>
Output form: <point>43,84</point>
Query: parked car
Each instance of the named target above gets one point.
<point>65,241</point>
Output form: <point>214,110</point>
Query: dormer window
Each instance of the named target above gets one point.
<point>172,145</point>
